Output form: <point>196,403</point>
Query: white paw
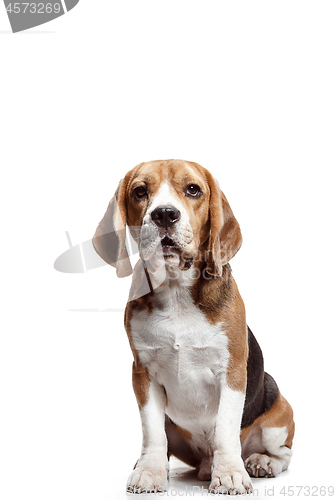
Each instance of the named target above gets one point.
<point>231,479</point>
<point>258,465</point>
<point>149,476</point>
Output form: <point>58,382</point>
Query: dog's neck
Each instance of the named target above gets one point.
<point>171,277</point>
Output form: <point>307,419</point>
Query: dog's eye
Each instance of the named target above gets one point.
<point>194,190</point>
<point>140,192</point>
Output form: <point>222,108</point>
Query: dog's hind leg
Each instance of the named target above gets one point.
<point>266,444</point>
<point>179,444</point>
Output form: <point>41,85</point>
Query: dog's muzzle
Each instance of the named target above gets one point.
<point>164,235</point>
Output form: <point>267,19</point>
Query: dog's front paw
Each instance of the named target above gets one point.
<point>150,475</point>
<point>230,478</point>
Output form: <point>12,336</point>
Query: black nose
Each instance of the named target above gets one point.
<point>165,216</point>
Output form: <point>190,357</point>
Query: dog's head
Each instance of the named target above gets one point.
<point>176,212</point>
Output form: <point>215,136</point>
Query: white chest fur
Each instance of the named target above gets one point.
<point>183,352</point>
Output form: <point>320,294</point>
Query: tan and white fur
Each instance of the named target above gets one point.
<point>198,371</point>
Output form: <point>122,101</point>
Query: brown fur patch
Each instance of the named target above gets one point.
<point>234,325</point>
<point>184,433</point>
<point>141,384</point>
<point>110,236</point>
<point>220,301</point>
<point>225,236</point>
<point>279,415</point>
<point>140,375</point>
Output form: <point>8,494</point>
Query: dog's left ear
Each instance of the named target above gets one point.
<point>109,240</point>
<point>225,235</point>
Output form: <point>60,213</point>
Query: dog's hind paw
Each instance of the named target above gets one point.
<point>258,465</point>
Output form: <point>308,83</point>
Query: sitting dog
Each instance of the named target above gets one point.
<point>198,372</point>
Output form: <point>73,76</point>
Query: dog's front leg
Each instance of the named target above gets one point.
<point>150,473</point>
<point>228,472</point>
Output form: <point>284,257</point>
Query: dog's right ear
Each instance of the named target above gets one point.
<point>109,240</point>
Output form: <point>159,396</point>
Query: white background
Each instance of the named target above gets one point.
<point>247,89</point>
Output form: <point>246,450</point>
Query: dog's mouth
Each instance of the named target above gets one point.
<point>169,247</point>
<point>168,242</point>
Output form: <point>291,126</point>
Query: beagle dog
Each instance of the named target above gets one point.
<point>198,372</point>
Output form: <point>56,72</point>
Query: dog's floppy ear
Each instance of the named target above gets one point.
<point>225,235</point>
<point>109,240</point>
